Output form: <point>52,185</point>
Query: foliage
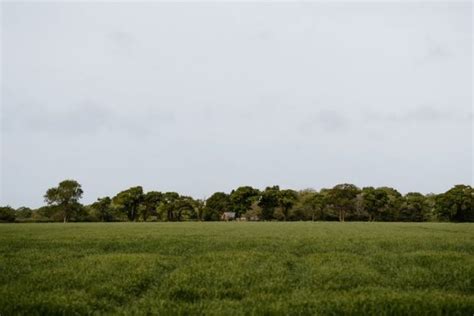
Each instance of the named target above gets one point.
<point>343,202</point>
<point>269,201</point>
<point>242,198</point>
<point>65,197</point>
<point>216,204</point>
<point>128,202</point>
<point>166,208</point>
<point>174,207</point>
<point>286,200</point>
<point>23,213</point>
<point>103,209</point>
<point>374,202</point>
<point>7,214</point>
<point>151,202</point>
<point>392,208</point>
<point>310,206</point>
<point>341,198</point>
<point>414,208</point>
<point>457,204</point>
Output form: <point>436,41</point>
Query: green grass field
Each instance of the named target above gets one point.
<point>237,268</point>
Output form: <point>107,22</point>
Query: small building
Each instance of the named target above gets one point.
<point>228,216</point>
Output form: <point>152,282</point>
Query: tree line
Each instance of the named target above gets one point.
<point>343,202</point>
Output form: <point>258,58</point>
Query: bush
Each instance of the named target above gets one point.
<point>7,214</point>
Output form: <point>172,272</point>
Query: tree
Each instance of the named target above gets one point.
<point>456,204</point>
<point>66,197</point>
<point>393,206</point>
<point>216,204</point>
<point>199,206</point>
<point>342,198</point>
<point>7,214</point>
<point>269,201</point>
<point>374,202</point>
<point>45,213</point>
<point>184,208</point>
<point>414,208</point>
<point>310,206</point>
<point>167,208</point>
<point>431,202</point>
<point>23,213</point>
<point>242,199</point>
<point>303,209</point>
<point>175,207</point>
<point>129,201</point>
<point>254,213</point>
<point>103,208</point>
<point>286,200</point>
<point>151,202</point>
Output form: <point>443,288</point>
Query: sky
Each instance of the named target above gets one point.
<point>203,97</point>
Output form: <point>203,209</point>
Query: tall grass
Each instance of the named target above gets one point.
<point>296,268</point>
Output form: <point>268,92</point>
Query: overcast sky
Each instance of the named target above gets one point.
<point>205,97</point>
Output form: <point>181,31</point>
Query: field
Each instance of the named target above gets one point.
<point>237,268</point>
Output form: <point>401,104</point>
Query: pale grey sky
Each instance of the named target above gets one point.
<point>205,97</point>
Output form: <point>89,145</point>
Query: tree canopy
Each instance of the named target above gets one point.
<point>342,202</point>
<point>66,197</point>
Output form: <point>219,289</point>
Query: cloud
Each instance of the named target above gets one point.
<point>419,114</point>
<point>81,118</point>
<point>120,42</point>
<point>328,120</point>
<point>437,49</point>
<point>87,118</point>
<point>332,120</point>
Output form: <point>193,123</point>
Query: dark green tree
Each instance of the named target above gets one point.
<point>342,199</point>
<point>374,202</point>
<point>7,214</point>
<point>128,202</point>
<point>310,206</point>
<point>23,213</point>
<point>184,208</point>
<point>46,213</point>
<point>286,200</point>
<point>456,204</point>
<point>66,197</point>
<point>103,209</point>
<point>151,202</point>
<point>242,199</point>
<point>303,209</point>
<point>393,206</point>
<point>216,204</point>
<point>269,201</point>
<point>167,208</point>
<point>414,208</point>
<point>199,206</point>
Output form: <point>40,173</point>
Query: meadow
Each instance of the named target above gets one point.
<point>237,268</point>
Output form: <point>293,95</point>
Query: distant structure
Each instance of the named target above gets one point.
<point>247,217</point>
<point>228,216</point>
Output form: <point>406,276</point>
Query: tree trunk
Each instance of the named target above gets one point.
<point>341,215</point>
